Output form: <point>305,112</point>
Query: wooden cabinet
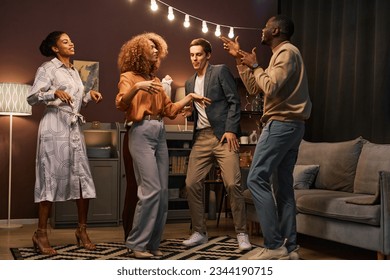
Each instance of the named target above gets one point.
<point>179,148</point>
<point>103,210</point>
<point>110,181</point>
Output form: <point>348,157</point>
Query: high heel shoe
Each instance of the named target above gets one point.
<point>43,248</point>
<point>82,237</point>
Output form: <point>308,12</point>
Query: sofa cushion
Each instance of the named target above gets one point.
<point>304,175</point>
<point>373,158</point>
<point>332,204</point>
<point>338,162</point>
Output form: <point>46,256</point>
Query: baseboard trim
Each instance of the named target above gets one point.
<point>20,221</point>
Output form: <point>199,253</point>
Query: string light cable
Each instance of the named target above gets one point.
<point>205,23</point>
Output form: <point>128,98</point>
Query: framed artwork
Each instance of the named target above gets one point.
<point>89,73</point>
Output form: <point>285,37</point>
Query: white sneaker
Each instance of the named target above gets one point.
<point>243,242</point>
<point>270,254</point>
<point>294,255</point>
<point>196,239</point>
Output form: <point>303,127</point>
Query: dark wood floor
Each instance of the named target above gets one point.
<point>311,248</point>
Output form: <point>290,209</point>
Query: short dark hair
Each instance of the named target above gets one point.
<point>286,25</point>
<point>50,41</point>
<point>206,45</point>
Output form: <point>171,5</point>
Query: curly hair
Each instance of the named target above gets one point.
<point>132,55</point>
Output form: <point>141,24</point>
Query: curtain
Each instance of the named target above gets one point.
<point>345,45</point>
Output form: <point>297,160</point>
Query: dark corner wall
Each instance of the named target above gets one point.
<point>345,45</point>
<point>99,28</point>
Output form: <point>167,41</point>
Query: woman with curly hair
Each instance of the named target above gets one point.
<point>142,98</point>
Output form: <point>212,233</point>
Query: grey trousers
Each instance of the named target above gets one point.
<point>148,148</point>
<point>205,151</point>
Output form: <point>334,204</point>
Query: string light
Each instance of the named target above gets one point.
<point>231,33</point>
<point>153,5</point>
<point>204,27</point>
<point>218,31</point>
<point>186,23</point>
<point>171,16</point>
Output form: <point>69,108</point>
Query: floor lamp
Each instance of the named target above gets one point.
<point>13,102</point>
<point>179,95</point>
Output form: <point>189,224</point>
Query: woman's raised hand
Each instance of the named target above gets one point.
<point>63,96</point>
<point>96,96</point>
<point>152,87</point>
<point>202,100</point>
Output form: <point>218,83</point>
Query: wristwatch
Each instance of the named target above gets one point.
<point>255,65</point>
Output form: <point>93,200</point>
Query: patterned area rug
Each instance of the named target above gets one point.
<point>218,248</point>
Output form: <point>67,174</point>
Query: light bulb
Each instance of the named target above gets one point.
<point>231,33</point>
<point>204,27</point>
<point>153,5</point>
<point>171,16</point>
<point>186,21</point>
<point>218,31</point>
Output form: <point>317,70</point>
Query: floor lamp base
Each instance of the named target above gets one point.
<point>10,226</point>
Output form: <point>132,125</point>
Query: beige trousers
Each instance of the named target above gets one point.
<point>206,149</point>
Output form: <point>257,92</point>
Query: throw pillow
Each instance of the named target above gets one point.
<point>373,158</point>
<point>338,161</point>
<point>304,176</point>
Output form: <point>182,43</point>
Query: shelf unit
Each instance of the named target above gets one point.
<point>179,148</point>
<point>250,120</point>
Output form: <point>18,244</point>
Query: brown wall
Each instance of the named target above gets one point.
<point>99,28</point>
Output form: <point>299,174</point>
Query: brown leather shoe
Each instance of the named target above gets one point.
<point>157,253</point>
<point>140,254</point>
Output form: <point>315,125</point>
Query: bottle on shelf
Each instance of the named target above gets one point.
<point>253,137</point>
<point>257,103</point>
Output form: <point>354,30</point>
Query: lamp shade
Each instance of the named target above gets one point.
<point>13,99</point>
<point>180,93</point>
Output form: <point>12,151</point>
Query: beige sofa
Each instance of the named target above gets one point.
<point>342,193</point>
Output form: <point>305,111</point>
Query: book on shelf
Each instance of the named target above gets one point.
<point>178,164</point>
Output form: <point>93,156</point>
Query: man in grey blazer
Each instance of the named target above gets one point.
<point>216,131</point>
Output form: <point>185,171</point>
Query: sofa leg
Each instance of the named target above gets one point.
<point>381,256</point>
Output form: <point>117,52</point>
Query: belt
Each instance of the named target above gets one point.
<point>206,129</point>
<point>151,117</point>
<point>75,117</point>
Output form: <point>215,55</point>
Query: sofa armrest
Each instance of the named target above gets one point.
<point>384,185</point>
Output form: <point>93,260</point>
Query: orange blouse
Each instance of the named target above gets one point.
<point>143,103</point>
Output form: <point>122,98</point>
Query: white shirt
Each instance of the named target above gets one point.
<point>203,121</point>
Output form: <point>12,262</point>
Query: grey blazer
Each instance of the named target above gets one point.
<point>224,111</point>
